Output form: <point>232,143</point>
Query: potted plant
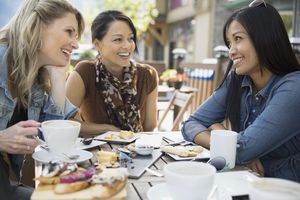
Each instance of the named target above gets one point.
<point>173,78</point>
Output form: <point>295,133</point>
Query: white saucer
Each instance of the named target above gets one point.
<point>160,192</point>
<point>44,156</point>
<point>235,182</point>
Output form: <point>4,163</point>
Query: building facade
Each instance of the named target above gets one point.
<point>196,26</point>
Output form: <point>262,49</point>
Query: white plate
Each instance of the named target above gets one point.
<point>235,182</point>
<point>80,145</point>
<point>119,141</point>
<point>44,156</point>
<point>203,155</point>
<point>160,192</point>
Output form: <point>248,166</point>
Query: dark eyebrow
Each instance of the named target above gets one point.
<point>120,35</point>
<point>117,35</point>
<point>239,32</point>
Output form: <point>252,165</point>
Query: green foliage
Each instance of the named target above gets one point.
<point>287,20</point>
<point>141,12</point>
<point>87,54</point>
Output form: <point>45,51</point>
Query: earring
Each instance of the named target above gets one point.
<point>98,64</point>
<point>99,57</point>
<point>40,45</point>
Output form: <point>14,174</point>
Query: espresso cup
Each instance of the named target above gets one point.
<point>189,180</point>
<point>275,189</point>
<point>60,135</point>
<point>223,144</point>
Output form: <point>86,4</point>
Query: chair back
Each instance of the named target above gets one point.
<point>205,77</point>
<point>179,102</point>
<point>160,66</point>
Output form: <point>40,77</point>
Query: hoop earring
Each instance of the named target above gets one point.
<point>40,45</point>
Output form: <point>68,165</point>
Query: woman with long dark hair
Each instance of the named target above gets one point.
<point>259,95</point>
<point>113,92</point>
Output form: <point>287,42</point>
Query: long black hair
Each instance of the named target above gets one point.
<point>103,21</point>
<point>271,42</point>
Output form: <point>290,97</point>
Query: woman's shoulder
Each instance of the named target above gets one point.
<point>3,64</point>
<point>147,74</point>
<point>85,63</point>
<point>86,70</point>
<point>292,77</point>
<point>146,69</point>
<point>289,81</point>
<point>3,49</point>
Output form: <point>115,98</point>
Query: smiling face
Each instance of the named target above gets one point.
<point>241,50</point>
<point>58,40</point>
<point>117,46</point>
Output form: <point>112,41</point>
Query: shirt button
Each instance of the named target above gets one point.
<point>249,123</point>
<point>253,111</point>
<point>256,98</point>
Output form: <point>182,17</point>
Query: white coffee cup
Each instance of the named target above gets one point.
<point>60,135</point>
<point>223,143</point>
<point>275,189</point>
<point>189,180</point>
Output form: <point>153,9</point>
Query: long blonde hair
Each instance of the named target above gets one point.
<point>22,35</point>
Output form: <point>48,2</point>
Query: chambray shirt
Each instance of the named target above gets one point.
<point>270,124</point>
<point>42,107</point>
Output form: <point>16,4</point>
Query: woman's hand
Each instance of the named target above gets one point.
<point>19,138</point>
<point>216,126</point>
<point>58,75</point>
<point>203,138</point>
<point>256,166</point>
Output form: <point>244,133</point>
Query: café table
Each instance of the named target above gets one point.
<point>137,189</point>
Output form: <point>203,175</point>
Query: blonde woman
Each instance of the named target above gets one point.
<point>35,48</point>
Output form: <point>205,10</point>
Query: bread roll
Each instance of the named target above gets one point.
<point>65,188</point>
<point>175,150</point>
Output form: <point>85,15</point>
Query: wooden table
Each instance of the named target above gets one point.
<point>137,188</point>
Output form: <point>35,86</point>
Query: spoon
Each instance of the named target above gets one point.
<point>218,162</point>
<point>87,141</point>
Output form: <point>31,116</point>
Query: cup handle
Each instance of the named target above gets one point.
<point>40,133</point>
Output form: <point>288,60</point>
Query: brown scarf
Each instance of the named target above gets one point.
<point>120,97</point>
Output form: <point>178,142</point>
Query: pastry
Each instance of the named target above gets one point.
<point>183,151</point>
<point>175,150</point>
<point>107,157</point>
<point>65,188</point>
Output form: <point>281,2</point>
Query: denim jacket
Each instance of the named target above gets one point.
<point>41,108</point>
<point>270,124</point>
